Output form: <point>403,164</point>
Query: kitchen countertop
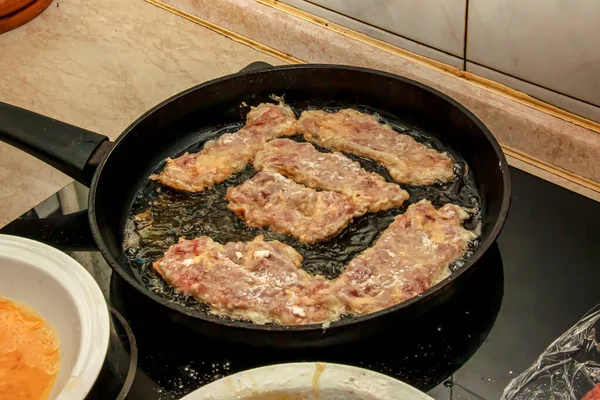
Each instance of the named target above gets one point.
<point>99,65</point>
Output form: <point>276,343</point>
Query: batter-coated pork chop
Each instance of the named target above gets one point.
<point>231,152</point>
<point>411,255</point>
<point>407,160</point>
<point>329,171</point>
<point>259,281</point>
<point>262,281</point>
<point>270,199</point>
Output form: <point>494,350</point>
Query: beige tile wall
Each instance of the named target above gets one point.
<point>549,49</point>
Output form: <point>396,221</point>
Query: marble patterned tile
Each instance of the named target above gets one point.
<point>99,65</point>
<point>436,23</point>
<point>552,43</point>
<point>377,33</point>
<point>566,103</point>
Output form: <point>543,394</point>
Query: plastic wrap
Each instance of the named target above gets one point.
<point>567,369</point>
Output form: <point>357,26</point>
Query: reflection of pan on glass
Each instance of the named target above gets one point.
<point>118,172</point>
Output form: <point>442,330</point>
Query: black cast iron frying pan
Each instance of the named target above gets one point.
<point>116,171</point>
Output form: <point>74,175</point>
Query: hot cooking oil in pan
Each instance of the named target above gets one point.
<point>164,215</point>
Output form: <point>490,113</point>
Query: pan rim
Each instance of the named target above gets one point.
<point>473,259</point>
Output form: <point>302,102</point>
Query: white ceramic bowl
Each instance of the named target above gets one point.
<point>65,295</point>
<point>310,381</point>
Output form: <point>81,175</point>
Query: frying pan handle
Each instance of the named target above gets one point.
<point>69,232</point>
<point>63,146</point>
<point>256,66</point>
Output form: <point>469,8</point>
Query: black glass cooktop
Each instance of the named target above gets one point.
<point>538,280</point>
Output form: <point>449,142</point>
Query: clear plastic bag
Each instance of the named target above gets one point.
<point>567,369</point>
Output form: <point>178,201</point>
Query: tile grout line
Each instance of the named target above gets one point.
<point>465,58</point>
<point>531,83</point>
<point>361,37</point>
<point>476,80</point>
<point>466,35</point>
<point>384,30</point>
<point>521,156</point>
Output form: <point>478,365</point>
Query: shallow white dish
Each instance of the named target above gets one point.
<point>65,295</point>
<point>308,381</point>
